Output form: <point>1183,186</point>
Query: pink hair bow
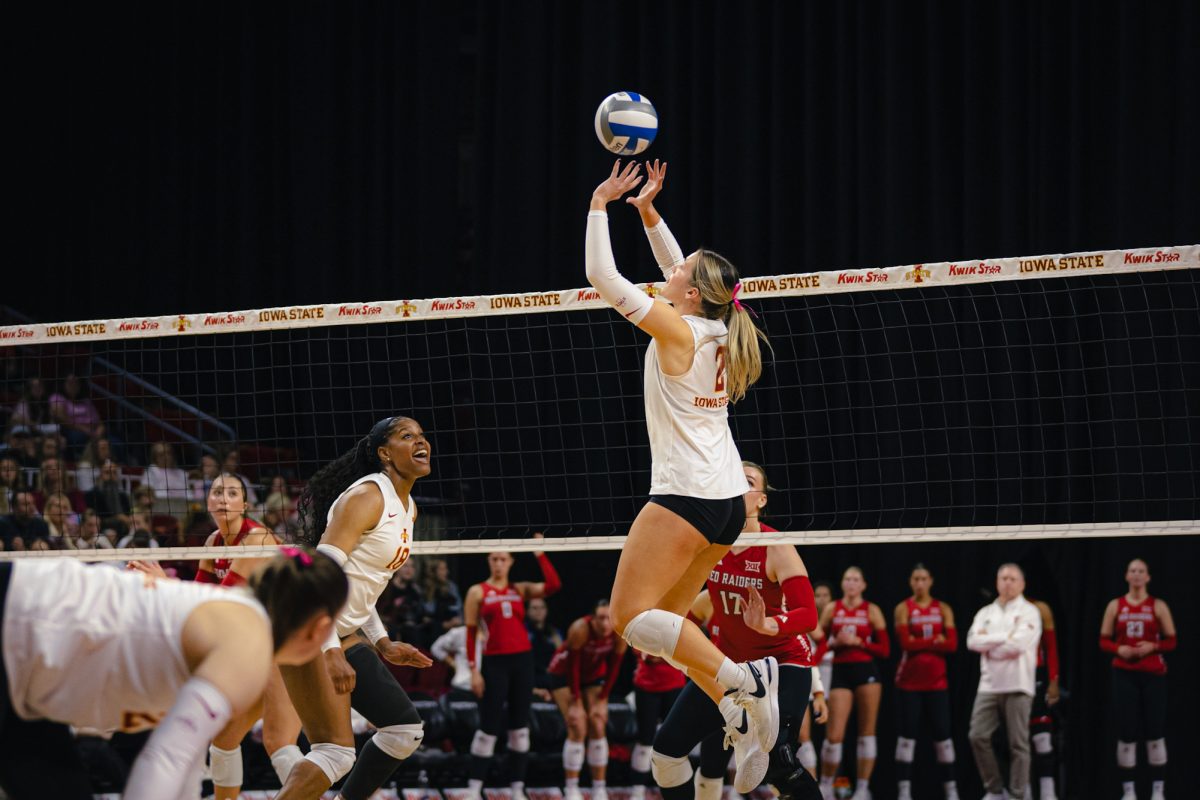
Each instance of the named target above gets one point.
<point>738,303</point>
<point>296,552</point>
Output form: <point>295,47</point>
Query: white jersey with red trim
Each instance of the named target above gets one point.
<point>96,647</point>
<point>379,553</point>
<point>692,452</point>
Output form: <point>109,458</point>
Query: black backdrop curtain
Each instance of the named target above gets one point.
<point>203,156</point>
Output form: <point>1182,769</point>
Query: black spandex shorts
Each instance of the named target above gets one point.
<point>720,521</point>
<point>854,674</point>
<point>933,705</point>
<point>1140,703</point>
<point>557,682</point>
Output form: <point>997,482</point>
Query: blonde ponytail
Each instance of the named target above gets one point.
<point>717,279</point>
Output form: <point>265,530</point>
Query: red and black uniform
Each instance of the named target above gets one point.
<point>1139,684</point>
<point>506,666</point>
<point>921,681</point>
<point>854,666</point>
<point>222,571</point>
<point>596,663</point>
<point>695,718</point>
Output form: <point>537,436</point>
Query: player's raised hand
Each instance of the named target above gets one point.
<point>618,182</point>
<point>656,176</point>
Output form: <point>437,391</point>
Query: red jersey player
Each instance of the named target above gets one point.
<point>926,632</point>
<point>582,673</point>
<point>1137,629</point>
<point>506,672</point>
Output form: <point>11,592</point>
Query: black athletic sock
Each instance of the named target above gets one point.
<point>684,791</point>
<point>518,765</point>
<point>371,771</point>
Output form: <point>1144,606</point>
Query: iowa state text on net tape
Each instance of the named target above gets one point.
<point>945,273</point>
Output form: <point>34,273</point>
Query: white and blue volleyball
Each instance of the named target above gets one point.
<point>626,123</point>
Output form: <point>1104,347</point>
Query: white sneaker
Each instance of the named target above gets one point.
<point>518,795</point>
<point>904,794</point>
<point>862,793</point>
<point>761,702</point>
<point>751,761</point>
<point>600,794</point>
<point>1158,795</point>
<point>572,793</point>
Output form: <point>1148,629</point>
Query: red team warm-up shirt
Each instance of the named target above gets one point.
<point>859,621</point>
<point>653,674</point>
<point>503,613</point>
<point>1137,623</point>
<point>729,589</point>
<point>594,657</point>
<point>923,666</point>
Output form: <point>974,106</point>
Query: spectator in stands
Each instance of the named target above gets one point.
<point>23,446</point>
<point>232,464</point>
<point>168,481</point>
<point>402,608</point>
<point>443,602</point>
<point>87,471</point>
<point>76,415</point>
<point>204,475</point>
<point>140,532</point>
<point>278,488</point>
<point>50,446</point>
<point>109,499</point>
<point>53,478</point>
<point>61,520</point>
<point>544,638</point>
<point>10,481</point>
<point>32,411</point>
<point>90,535</point>
<point>23,527</point>
<point>143,500</point>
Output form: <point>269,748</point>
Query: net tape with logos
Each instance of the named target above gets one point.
<point>1028,397</point>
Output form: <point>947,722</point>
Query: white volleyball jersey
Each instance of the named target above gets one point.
<point>99,648</point>
<point>691,449</point>
<point>378,554</point>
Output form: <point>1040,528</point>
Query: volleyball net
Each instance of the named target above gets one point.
<point>1031,397</point>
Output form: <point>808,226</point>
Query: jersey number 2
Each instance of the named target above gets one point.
<point>720,385</point>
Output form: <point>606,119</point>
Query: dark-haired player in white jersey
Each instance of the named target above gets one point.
<point>704,355</point>
<point>360,509</point>
<point>120,651</point>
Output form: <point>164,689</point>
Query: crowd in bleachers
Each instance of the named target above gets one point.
<point>68,483</point>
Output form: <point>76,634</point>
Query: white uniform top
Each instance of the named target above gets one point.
<point>97,648</point>
<point>691,449</point>
<point>378,554</point>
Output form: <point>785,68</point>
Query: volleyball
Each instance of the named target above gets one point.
<point>626,123</point>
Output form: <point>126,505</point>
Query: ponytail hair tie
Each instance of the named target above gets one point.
<point>737,304</point>
<point>295,552</point>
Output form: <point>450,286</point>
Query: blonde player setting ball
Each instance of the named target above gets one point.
<point>704,355</point>
<point>360,509</point>
<point>98,648</point>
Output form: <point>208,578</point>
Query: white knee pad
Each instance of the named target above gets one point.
<point>518,740</point>
<point>283,759</point>
<point>867,747</point>
<point>333,759</point>
<point>1156,752</point>
<point>572,755</point>
<point>669,772</point>
<point>1126,755</point>
<point>831,753</point>
<point>639,761</point>
<point>708,788</point>
<point>483,745</point>
<point>401,741</point>
<point>807,756</point>
<point>904,749</point>
<point>944,751</point>
<point>1043,743</point>
<point>597,752</point>
<point>654,632</point>
<point>226,766</point>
